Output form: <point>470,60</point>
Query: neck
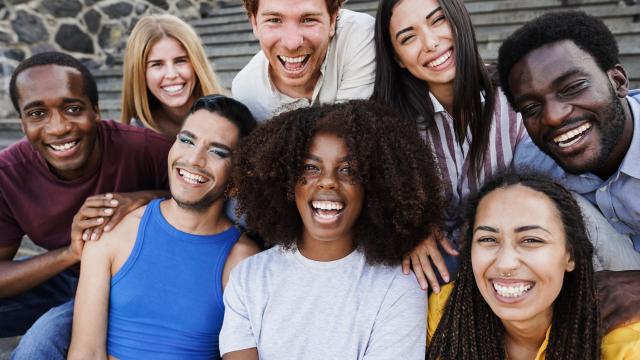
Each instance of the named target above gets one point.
<point>613,162</point>
<point>169,120</point>
<point>323,250</point>
<point>300,91</point>
<point>211,220</point>
<point>444,94</point>
<point>525,337</point>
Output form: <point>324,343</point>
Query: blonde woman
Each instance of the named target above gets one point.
<point>165,70</point>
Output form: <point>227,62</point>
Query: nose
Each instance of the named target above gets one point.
<point>555,112</point>
<point>429,40</point>
<point>327,180</point>
<point>507,259</point>
<point>171,71</point>
<point>197,158</point>
<point>292,38</point>
<point>58,125</point>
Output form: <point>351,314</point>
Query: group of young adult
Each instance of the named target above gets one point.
<point>350,194</point>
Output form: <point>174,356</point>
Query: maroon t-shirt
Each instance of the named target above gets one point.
<point>33,201</point>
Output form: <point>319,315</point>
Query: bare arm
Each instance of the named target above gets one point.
<point>90,314</point>
<point>246,354</point>
<point>244,248</point>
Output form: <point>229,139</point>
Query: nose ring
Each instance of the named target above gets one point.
<point>506,274</point>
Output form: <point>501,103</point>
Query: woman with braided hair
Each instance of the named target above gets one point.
<point>525,288</point>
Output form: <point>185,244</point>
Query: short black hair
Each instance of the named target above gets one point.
<point>587,32</point>
<point>233,110</point>
<point>396,169</point>
<point>55,58</point>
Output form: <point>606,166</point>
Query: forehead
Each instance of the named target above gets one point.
<point>548,63</point>
<point>47,82</point>
<point>516,206</point>
<point>406,12</point>
<point>168,47</point>
<point>211,127</point>
<point>292,7</point>
<point>327,145</point>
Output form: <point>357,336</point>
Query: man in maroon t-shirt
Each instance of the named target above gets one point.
<point>71,174</point>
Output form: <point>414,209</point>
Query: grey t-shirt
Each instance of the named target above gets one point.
<point>291,307</point>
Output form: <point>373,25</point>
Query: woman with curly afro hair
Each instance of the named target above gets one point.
<point>343,192</point>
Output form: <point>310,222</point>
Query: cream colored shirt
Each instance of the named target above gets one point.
<point>348,72</point>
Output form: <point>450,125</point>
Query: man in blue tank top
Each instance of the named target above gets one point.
<point>152,288</point>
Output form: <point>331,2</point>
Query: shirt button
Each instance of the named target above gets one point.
<point>604,188</point>
<point>614,219</point>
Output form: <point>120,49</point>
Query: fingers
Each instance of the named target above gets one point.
<point>448,248</point>
<point>422,266</point>
<point>406,264</point>
<point>440,264</point>
<point>115,219</point>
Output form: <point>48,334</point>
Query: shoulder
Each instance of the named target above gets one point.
<point>114,242</point>
<point>249,75</point>
<point>18,153</point>
<point>352,21</point>
<point>258,265</point>
<point>437,305</point>
<point>129,135</point>
<point>622,343</point>
<point>243,248</point>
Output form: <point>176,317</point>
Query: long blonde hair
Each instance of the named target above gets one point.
<point>147,32</point>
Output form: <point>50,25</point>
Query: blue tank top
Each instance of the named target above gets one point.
<point>166,300</point>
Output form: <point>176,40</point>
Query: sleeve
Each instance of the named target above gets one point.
<point>399,331</point>
<point>236,333</point>
<point>358,74</point>
<point>622,343</point>
<point>9,228</point>
<point>437,303</point>
<point>157,149</point>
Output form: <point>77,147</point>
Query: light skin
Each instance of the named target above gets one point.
<point>326,235</point>
<point>171,79</point>
<point>59,121</point>
<point>294,36</point>
<point>423,42</point>
<point>573,110</point>
<point>197,150</point>
<point>519,262</point>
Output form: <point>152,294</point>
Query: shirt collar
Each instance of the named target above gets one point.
<point>630,164</point>
<point>437,106</point>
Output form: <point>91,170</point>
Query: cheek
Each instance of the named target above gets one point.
<point>153,77</point>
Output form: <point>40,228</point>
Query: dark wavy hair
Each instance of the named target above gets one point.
<point>233,110</point>
<point>402,201</point>
<point>54,58</point>
<point>587,32</point>
<point>409,95</point>
<point>251,6</point>
<point>470,330</point>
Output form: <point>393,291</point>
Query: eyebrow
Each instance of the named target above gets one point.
<point>555,83</point>
<point>212,143</point>
<point>518,229</point>
<point>411,27</point>
<point>41,103</point>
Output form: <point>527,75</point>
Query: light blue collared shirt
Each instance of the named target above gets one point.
<point>617,197</point>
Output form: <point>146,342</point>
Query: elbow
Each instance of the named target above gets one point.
<point>76,353</point>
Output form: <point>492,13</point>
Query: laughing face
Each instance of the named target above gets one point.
<point>423,41</point>
<point>200,160</point>
<point>572,109</point>
<point>327,197</point>
<point>59,119</point>
<point>294,36</point>
<point>170,75</point>
<point>519,261</point>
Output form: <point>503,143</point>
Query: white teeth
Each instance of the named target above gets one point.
<point>560,139</point>
<point>64,147</point>
<point>297,59</point>
<point>327,205</point>
<point>512,291</point>
<point>173,88</point>
<point>192,178</point>
<point>440,60</point>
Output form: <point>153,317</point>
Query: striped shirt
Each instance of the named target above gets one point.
<point>454,163</point>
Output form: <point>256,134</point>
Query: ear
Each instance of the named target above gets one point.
<point>333,22</point>
<point>96,109</point>
<point>619,80</point>
<point>254,25</point>
<point>24,131</point>
<point>571,265</point>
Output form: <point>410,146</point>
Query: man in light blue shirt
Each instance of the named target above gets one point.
<point>562,72</point>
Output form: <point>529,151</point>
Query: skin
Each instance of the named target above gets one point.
<point>294,28</point>
<point>526,248</point>
<point>422,39</point>
<point>421,34</point>
<point>55,110</point>
<point>559,87</point>
<point>168,65</point>
<point>101,260</point>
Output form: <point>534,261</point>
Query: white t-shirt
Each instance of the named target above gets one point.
<point>291,307</point>
<point>348,72</point>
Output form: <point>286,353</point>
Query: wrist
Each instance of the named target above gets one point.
<point>71,255</point>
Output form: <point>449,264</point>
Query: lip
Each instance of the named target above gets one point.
<point>324,220</point>
<point>297,72</point>
<point>175,93</point>
<point>443,66</point>
<point>510,300</point>
<point>188,183</point>
<point>575,147</point>
<point>64,153</point>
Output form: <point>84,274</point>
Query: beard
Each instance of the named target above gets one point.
<point>200,205</point>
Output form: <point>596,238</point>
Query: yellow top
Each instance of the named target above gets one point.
<point>622,343</point>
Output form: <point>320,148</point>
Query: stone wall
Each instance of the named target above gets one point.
<point>94,31</point>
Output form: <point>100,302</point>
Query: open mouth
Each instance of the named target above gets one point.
<point>63,147</point>
<point>327,210</point>
<point>173,89</point>
<point>294,64</point>
<point>192,178</point>
<point>572,136</point>
<point>514,290</point>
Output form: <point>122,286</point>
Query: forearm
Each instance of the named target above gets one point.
<point>246,354</point>
<point>17,277</point>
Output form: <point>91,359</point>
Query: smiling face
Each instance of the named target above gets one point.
<point>519,260</point>
<point>294,36</point>
<point>327,197</point>
<point>170,76</point>
<point>571,108</point>
<point>58,119</point>
<point>200,160</point>
<point>423,41</point>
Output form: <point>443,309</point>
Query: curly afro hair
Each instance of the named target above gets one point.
<point>587,32</point>
<point>402,202</point>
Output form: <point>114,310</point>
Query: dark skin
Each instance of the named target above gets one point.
<point>55,111</point>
